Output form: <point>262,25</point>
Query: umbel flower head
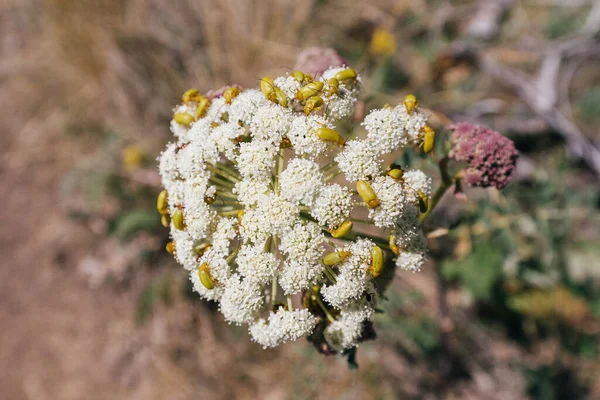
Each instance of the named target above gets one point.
<point>491,157</point>
<point>266,200</point>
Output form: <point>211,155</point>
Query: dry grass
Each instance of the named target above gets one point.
<point>73,71</point>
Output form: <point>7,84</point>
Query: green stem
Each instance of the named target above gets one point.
<point>439,193</point>
<point>229,213</point>
<point>275,251</point>
<point>328,166</point>
<point>378,241</point>
<point>231,171</point>
<point>227,195</point>
<point>333,175</point>
<point>227,203</point>
<point>330,274</point>
<point>361,221</point>
<point>323,307</point>
<point>222,173</point>
<point>218,181</point>
<point>273,292</point>
<point>289,303</point>
<point>232,256</point>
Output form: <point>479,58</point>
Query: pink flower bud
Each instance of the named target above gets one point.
<point>491,157</point>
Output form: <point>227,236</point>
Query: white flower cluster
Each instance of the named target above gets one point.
<point>251,206</point>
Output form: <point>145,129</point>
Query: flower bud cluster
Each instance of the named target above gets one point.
<point>253,211</point>
<point>491,157</point>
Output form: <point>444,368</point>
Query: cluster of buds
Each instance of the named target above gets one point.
<point>273,210</point>
<point>491,157</point>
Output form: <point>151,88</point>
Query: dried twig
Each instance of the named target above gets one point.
<point>540,93</point>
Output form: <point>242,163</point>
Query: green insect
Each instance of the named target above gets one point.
<point>183,118</point>
<point>330,135</point>
<point>161,202</point>
<point>230,94</point>
<point>336,257</point>
<point>205,277</point>
<point>170,247</point>
<point>376,262</point>
<point>346,74</point>
<point>178,220</point>
<point>309,90</point>
<point>313,104</point>
<point>410,103</point>
<point>366,192</point>
<point>428,139</point>
<point>341,230</point>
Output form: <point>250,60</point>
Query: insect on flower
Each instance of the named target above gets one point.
<point>282,99</point>
<point>268,88</point>
<point>410,103</point>
<point>313,104</point>
<point>205,277</point>
<point>309,90</point>
<point>423,201</point>
<point>201,248</point>
<point>178,219</point>
<point>161,203</point>
<point>230,94</point>
<point>191,95</point>
<point>342,230</point>
<point>376,261</point>
<point>330,135</point>
<point>203,106</point>
<point>346,75</point>
<point>333,87</point>
<point>170,247</point>
<point>393,246</point>
<point>395,172</point>
<point>428,139</point>
<point>336,257</point>
<point>183,118</point>
<point>365,191</point>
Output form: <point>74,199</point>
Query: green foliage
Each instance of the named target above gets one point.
<point>589,106</point>
<point>479,271</point>
<point>562,23</point>
<point>554,382</point>
<point>131,222</point>
<point>155,292</point>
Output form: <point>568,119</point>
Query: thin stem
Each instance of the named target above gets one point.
<point>227,169</point>
<point>333,175</point>
<point>232,256</point>
<point>328,166</point>
<point>330,278</point>
<point>227,203</point>
<point>446,183</point>
<point>229,213</point>
<point>331,274</point>
<point>361,221</point>
<point>273,291</point>
<point>222,173</point>
<point>289,303</point>
<point>323,307</point>
<point>274,250</point>
<point>226,184</point>
<point>228,195</point>
<point>379,241</point>
<point>278,171</point>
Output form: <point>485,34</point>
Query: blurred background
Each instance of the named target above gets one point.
<point>508,306</point>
